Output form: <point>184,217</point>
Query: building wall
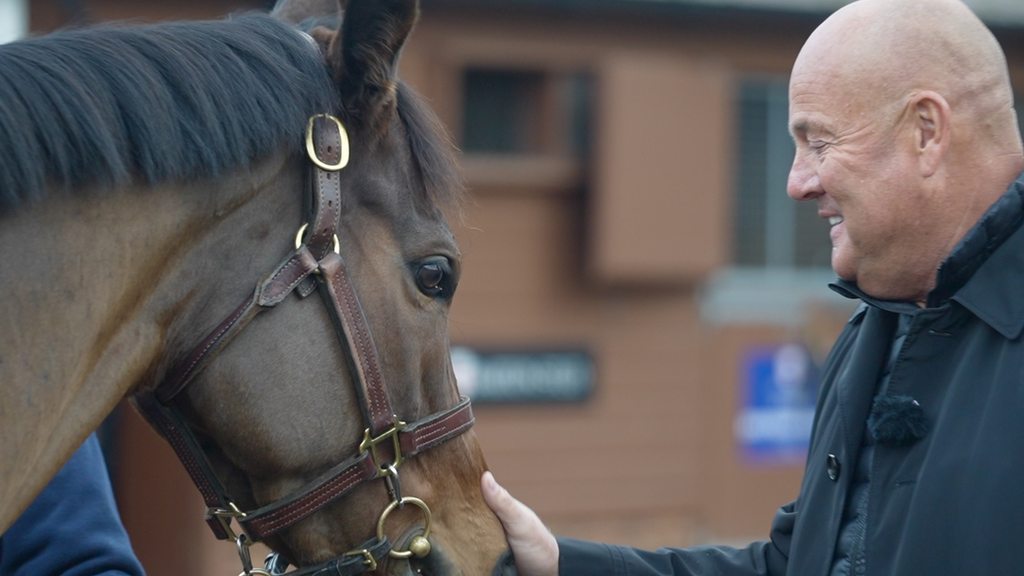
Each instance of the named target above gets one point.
<point>49,15</point>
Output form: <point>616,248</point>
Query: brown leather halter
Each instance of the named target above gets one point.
<point>387,441</point>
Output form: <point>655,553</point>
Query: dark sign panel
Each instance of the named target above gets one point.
<point>549,376</point>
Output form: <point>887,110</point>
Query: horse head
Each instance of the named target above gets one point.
<point>171,249</point>
<point>278,409</point>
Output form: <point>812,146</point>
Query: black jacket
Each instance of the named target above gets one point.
<point>951,503</point>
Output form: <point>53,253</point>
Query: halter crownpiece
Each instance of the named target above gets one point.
<point>387,441</point>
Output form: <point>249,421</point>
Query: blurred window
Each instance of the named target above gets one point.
<point>502,110</point>
<point>516,111</point>
<point>770,229</point>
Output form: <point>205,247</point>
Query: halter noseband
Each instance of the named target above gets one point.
<point>387,441</point>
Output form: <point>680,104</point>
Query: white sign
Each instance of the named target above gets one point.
<point>523,376</point>
<point>13,20</point>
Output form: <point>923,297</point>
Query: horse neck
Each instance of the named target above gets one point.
<point>100,288</point>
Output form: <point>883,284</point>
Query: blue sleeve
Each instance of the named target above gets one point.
<point>72,528</point>
<point>769,558</point>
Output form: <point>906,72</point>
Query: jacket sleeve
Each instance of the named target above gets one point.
<point>72,528</point>
<point>768,558</point>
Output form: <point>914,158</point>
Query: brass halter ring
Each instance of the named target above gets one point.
<point>302,229</point>
<point>343,154</point>
<point>419,546</point>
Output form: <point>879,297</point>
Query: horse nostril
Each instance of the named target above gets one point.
<point>506,565</point>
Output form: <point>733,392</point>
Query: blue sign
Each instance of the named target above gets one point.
<point>779,388</point>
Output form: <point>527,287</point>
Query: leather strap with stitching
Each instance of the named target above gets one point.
<point>170,426</point>
<point>270,292</point>
<point>264,521</point>
<point>436,428</point>
<point>342,300</point>
<point>418,437</point>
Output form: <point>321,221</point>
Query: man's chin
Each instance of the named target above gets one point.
<point>884,288</point>
<point>843,268</point>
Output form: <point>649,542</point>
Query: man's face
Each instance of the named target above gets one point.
<point>849,160</point>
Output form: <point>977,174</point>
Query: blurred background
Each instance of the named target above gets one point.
<point>643,311</point>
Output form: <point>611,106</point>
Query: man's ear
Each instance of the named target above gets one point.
<point>931,120</point>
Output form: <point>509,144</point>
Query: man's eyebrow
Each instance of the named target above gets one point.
<point>804,126</point>
<point>800,126</point>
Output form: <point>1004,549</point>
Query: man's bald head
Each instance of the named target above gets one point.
<point>880,52</point>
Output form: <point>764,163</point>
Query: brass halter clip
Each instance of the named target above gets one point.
<point>343,154</point>
<point>243,554</point>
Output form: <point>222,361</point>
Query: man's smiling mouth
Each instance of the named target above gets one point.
<point>833,220</point>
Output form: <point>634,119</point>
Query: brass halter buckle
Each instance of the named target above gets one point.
<point>368,560</point>
<point>343,154</point>
<point>370,443</point>
<point>225,516</point>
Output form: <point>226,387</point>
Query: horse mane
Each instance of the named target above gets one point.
<point>176,101</point>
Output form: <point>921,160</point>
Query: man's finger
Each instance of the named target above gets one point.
<point>533,546</point>
<point>502,503</point>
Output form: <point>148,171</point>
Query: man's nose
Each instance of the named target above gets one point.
<point>803,183</point>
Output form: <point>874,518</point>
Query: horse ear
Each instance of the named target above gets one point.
<point>298,11</point>
<point>364,55</point>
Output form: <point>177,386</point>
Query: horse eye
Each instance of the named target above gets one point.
<point>429,276</point>
<point>435,279</point>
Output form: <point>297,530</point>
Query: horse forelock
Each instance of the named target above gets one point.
<point>432,149</point>
<point>165,102</point>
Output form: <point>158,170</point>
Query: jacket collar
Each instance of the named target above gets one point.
<point>984,272</point>
<point>993,292</point>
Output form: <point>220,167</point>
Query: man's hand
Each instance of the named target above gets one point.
<point>533,546</point>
